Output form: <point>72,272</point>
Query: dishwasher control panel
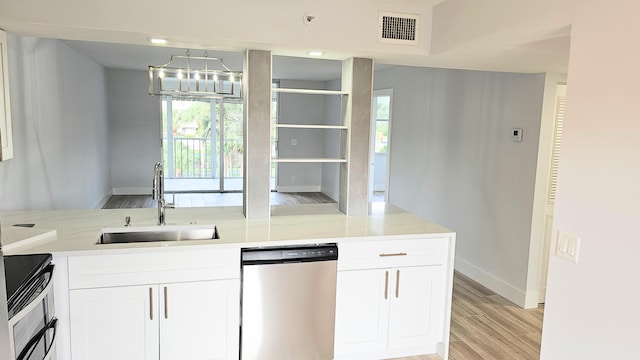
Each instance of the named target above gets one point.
<point>323,252</point>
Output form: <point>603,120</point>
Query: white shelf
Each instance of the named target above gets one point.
<point>308,91</point>
<point>302,126</point>
<point>308,160</point>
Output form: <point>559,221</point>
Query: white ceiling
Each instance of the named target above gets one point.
<point>139,57</point>
<point>494,35</point>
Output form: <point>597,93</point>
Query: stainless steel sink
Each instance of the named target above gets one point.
<point>119,236</point>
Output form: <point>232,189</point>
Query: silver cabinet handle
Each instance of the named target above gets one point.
<point>166,304</point>
<point>397,283</point>
<point>394,254</point>
<point>150,304</point>
<point>386,284</point>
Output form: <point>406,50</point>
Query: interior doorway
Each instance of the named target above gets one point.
<point>202,145</point>
<point>381,115</point>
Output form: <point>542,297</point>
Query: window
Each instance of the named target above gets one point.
<point>381,108</point>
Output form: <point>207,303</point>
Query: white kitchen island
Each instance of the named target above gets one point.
<point>180,299</point>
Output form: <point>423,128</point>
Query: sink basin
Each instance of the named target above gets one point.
<point>164,233</point>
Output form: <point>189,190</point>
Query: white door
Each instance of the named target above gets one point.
<point>415,315</point>
<point>114,323</point>
<point>361,312</point>
<point>199,320</point>
<point>380,142</point>
<point>551,195</point>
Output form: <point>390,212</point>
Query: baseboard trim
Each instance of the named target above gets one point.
<point>333,195</point>
<point>300,188</point>
<point>104,200</point>
<point>491,281</point>
<point>542,295</point>
<point>132,191</point>
<point>532,299</point>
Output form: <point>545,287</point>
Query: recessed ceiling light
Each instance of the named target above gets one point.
<point>315,53</point>
<point>158,41</point>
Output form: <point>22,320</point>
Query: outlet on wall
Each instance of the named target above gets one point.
<point>293,179</point>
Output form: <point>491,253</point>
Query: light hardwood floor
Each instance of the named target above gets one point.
<point>486,326</point>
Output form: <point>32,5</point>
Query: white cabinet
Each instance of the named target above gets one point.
<point>200,320</point>
<point>114,315</point>
<point>390,299</point>
<point>114,323</point>
<point>362,312</point>
<point>416,300</point>
<point>6,139</point>
<point>169,321</point>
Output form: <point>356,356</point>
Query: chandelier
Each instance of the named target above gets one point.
<point>195,76</point>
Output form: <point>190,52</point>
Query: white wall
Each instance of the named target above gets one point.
<point>592,307</point>
<point>134,123</point>
<point>453,162</point>
<point>60,130</point>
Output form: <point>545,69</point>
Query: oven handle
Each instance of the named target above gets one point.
<point>28,350</point>
<point>22,313</point>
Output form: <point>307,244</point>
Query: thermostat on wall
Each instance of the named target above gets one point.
<point>516,134</point>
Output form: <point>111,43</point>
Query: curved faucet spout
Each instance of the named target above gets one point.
<point>157,192</point>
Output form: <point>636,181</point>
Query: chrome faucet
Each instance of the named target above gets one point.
<point>157,192</point>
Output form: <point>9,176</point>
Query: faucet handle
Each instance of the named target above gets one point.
<point>127,221</point>
<point>172,204</point>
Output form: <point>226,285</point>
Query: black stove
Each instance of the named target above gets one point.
<point>20,270</point>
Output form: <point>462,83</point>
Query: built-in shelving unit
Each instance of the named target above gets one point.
<point>341,127</point>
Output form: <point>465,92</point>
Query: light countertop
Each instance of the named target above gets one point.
<point>77,231</point>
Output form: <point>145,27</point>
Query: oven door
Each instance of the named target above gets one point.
<point>32,328</point>
<point>41,346</point>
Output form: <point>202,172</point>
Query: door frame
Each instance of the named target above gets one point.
<point>538,256</point>
<point>372,153</point>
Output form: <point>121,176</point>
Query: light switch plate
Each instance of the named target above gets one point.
<point>568,246</point>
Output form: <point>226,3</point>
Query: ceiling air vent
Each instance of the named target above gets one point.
<point>398,28</point>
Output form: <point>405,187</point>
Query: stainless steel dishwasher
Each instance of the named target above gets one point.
<point>288,302</point>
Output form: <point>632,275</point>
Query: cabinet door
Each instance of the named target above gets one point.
<point>361,312</point>
<point>415,315</point>
<point>200,320</point>
<point>6,150</point>
<point>114,323</point>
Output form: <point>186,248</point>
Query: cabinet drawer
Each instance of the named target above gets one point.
<point>151,268</point>
<point>391,253</point>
